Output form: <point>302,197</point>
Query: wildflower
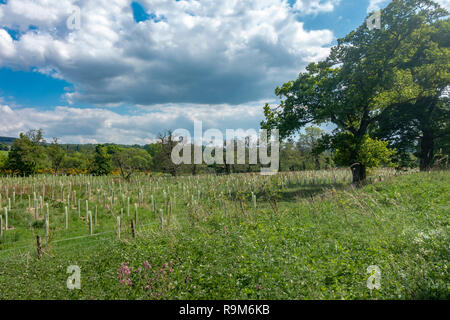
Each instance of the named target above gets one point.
<point>126,281</point>
<point>124,273</point>
<point>124,270</point>
<point>147,265</point>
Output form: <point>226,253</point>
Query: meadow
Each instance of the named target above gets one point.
<point>298,235</point>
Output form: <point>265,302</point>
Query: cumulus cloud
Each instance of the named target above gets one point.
<point>315,6</point>
<point>100,125</point>
<point>375,5</point>
<point>6,44</point>
<point>201,51</point>
<point>444,3</point>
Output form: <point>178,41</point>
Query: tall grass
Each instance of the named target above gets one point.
<point>289,236</point>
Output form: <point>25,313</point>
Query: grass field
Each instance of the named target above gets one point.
<point>305,235</point>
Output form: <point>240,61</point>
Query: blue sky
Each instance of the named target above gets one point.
<point>29,88</point>
<point>133,68</point>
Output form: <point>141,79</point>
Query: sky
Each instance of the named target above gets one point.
<point>122,71</point>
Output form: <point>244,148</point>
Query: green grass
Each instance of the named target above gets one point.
<point>317,245</point>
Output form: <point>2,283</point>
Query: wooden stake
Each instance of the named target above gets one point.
<point>39,249</point>
<point>133,231</point>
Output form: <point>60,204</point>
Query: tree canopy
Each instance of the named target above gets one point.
<point>27,153</point>
<point>367,74</point>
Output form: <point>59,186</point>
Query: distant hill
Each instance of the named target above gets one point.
<point>7,140</point>
<point>91,147</point>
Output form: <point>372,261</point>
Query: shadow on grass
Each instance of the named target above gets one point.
<point>307,191</point>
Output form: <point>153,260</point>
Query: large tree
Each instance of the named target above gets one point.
<point>27,153</point>
<point>418,109</point>
<point>349,88</point>
<point>102,164</point>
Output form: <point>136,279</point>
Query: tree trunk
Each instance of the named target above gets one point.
<point>426,151</point>
<point>317,162</point>
<point>227,168</point>
<point>359,173</point>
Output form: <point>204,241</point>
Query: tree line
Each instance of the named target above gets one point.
<point>31,154</point>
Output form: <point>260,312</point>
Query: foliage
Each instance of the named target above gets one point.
<point>76,161</point>
<point>129,160</point>
<point>3,160</point>
<point>102,161</point>
<point>306,153</point>
<point>318,245</point>
<point>371,153</point>
<point>27,153</point>
<point>418,108</point>
<point>162,158</point>
<point>56,155</point>
<point>355,85</point>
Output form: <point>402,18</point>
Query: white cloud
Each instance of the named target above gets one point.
<point>99,125</point>
<point>203,51</point>
<point>375,5</point>
<point>6,44</point>
<point>444,3</point>
<point>315,6</point>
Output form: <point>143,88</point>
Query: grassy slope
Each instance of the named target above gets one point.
<point>310,250</point>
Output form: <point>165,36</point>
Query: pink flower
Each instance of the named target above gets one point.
<point>124,270</point>
<point>147,265</point>
<point>126,281</point>
<point>124,273</point>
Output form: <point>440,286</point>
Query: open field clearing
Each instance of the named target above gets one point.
<point>305,235</point>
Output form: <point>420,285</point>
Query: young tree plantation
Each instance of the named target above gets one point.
<point>95,206</point>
